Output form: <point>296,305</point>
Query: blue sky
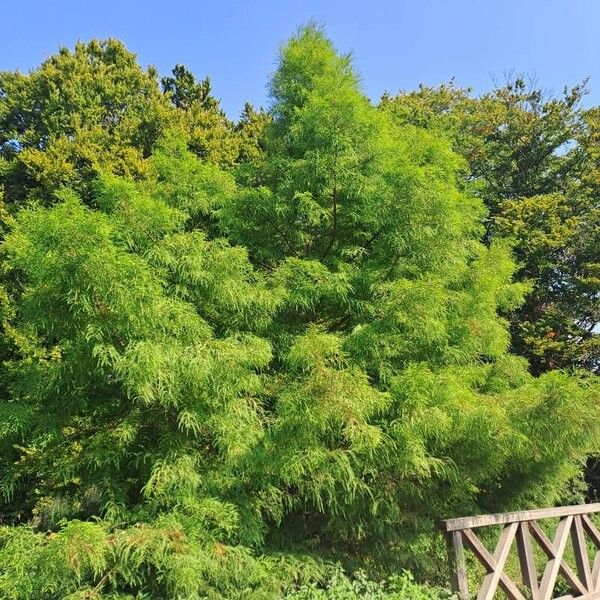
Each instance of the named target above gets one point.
<point>396,44</point>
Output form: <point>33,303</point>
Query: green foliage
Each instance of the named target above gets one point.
<point>64,565</point>
<point>210,134</point>
<point>96,111</point>
<point>533,159</point>
<point>340,587</point>
<point>95,108</point>
<point>223,384</point>
<point>184,90</point>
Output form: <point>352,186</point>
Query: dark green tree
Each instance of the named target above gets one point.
<point>210,134</point>
<point>184,90</point>
<point>81,112</point>
<point>529,156</point>
<point>250,127</point>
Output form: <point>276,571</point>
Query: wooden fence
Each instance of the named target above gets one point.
<point>522,527</point>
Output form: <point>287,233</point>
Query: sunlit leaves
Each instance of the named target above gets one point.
<point>210,374</point>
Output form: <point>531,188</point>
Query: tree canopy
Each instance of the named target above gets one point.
<point>228,368</point>
<point>532,158</point>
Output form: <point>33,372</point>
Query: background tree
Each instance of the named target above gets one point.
<point>184,90</point>
<point>81,112</point>
<point>250,128</point>
<point>211,135</point>
<point>529,155</point>
<point>94,109</point>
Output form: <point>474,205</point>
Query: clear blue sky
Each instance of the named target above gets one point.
<point>397,44</point>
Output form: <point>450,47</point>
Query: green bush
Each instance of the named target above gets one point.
<point>341,587</point>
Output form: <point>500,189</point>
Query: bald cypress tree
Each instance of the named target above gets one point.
<point>397,399</point>
<point>214,388</point>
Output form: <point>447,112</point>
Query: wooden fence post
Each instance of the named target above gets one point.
<point>456,560</point>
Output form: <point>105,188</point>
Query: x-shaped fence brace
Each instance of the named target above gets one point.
<point>574,524</point>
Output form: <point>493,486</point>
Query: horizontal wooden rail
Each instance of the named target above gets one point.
<point>518,516</point>
<point>574,525</point>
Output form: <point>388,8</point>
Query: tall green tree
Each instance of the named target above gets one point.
<point>391,317</point>
<point>214,388</point>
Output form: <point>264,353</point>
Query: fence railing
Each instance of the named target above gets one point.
<point>523,530</point>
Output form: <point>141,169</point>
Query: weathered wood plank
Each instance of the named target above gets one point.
<point>596,572</point>
<point>490,564</point>
<point>491,581</point>
<point>589,526</point>
<point>518,516</point>
<point>526,560</point>
<point>548,547</point>
<point>552,568</point>
<point>581,554</point>
<point>591,530</point>
<point>456,559</point>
